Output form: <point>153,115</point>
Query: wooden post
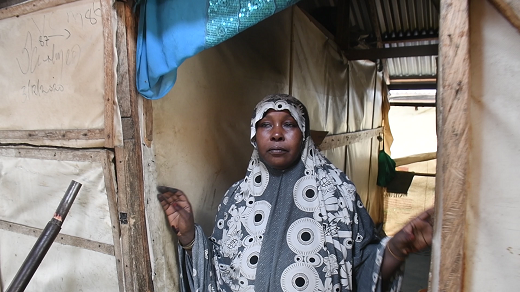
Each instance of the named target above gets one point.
<point>129,164</point>
<point>453,147</point>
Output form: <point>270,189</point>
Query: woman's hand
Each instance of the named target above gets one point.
<point>177,208</point>
<point>415,236</point>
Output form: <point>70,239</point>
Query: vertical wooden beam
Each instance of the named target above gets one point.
<point>110,76</point>
<point>134,238</point>
<point>110,183</point>
<point>453,147</point>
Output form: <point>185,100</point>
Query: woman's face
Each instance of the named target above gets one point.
<point>278,139</point>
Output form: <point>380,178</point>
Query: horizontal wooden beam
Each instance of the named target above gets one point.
<point>31,135</point>
<point>26,7</point>
<point>339,140</point>
<point>405,86</point>
<point>413,104</point>
<point>61,238</point>
<point>424,174</point>
<point>400,40</point>
<point>386,53</point>
<point>415,158</point>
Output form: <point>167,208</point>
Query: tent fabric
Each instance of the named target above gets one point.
<point>170,31</point>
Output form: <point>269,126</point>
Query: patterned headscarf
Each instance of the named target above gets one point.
<point>281,102</point>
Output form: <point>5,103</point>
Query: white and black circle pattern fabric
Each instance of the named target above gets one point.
<point>300,277</point>
<point>305,236</point>
<point>258,179</point>
<point>305,194</point>
<point>249,261</point>
<point>256,218</point>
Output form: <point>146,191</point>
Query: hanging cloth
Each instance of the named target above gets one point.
<point>170,31</point>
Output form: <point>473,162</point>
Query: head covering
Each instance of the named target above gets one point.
<point>281,102</point>
<point>300,229</point>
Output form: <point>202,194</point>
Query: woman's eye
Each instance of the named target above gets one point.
<point>264,125</point>
<point>290,125</point>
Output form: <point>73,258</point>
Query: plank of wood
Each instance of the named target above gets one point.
<point>111,189</point>
<point>344,139</point>
<point>134,238</point>
<point>134,242</point>
<point>43,153</point>
<point>124,227</point>
<point>415,158</point>
<point>123,82</point>
<point>148,122</point>
<point>30,135</point>
<point>397,52</point>
<point>510,9</point>
<point>110,78</point>
<point>30,6</point>
<point>453,147</point>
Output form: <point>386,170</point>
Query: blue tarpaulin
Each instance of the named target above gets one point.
<point>170,31</point>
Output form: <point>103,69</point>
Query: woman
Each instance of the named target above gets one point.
<point>294,223</point>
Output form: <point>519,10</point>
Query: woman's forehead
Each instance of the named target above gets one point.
<point>287,112</point>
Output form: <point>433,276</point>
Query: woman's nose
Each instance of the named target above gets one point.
<point>277,134</point>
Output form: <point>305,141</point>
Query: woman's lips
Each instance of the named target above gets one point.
<point>277,150</point>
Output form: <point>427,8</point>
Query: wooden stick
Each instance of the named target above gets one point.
<point>510,9</point>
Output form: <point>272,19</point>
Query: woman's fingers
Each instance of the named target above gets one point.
<point>417,234</point>
<point>177,208</point>
<point>164,189</point>
<point>427,215</point>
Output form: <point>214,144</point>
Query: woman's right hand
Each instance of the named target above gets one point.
<point>178,210</point>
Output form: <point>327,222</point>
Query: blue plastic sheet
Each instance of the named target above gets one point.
<point>170,31</point>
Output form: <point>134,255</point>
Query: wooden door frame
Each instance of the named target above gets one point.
<point>453,134</point>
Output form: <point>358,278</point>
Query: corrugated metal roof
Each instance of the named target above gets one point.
<point>412,67</point>
<point>401,23</point>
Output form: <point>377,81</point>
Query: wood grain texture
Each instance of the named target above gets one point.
<point>134,238</point>
<point>123,82</point>
<point>111,189</point>
<point>148,122</point>
<point>30,6</point>
<point>510,9</point>
<point>339,140</point>
<point>110,77</point>
<point>33,135</point>
<point>44,153</point>
<point>453,142</point>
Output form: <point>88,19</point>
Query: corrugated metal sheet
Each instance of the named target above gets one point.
<point>401,21</point>
<point>412,67</point>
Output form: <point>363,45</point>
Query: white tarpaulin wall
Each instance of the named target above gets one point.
<point>201,128</point>
<point>492,258</point>
<point>32,184</point>
<point>341,96</point>
<point>54,78</point>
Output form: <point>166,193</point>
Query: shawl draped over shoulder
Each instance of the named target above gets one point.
<point>299,229</point>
